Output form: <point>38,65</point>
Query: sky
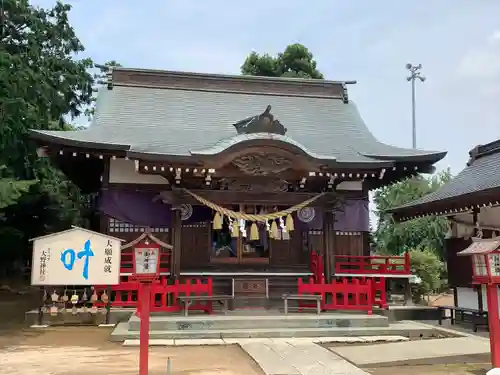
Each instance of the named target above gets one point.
<point>456,41</point>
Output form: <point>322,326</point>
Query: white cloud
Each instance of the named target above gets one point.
<point>482,62</point>
<point>495,37</point>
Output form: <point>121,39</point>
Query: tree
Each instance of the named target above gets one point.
<point>427,232</point>
<point>11,189</point>
<point>427,266</point>
<point>295,61</point>
<point>41,83</point>
<point>40,80</point>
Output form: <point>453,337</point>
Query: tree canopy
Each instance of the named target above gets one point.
<point>40,80</point>
<point>42,85</point>
<point>428,232</point>
<point>295,61</point>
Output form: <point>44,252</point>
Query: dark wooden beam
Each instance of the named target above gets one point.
<point>176,243</point>
<point>194,170</point>
<point>180,196</point>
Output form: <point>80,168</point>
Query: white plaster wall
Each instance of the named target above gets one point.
<point>467,298</point>
<point>350,185</point>
<point>123,171</point>
<point>485,300</point>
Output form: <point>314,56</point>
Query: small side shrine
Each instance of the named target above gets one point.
<point>471,204</point>
<point>145,241</point>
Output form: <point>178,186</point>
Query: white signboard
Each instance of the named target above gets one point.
<point>146,260</point>
<point>76,256</point>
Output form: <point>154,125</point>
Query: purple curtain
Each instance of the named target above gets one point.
<point>353,216</point>
<point>144,209</point>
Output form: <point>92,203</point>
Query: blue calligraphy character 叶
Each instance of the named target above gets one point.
<point>72,258</point>
<point>86,252</point>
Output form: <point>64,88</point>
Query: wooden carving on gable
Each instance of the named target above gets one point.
<point>262,164</point>
<point>263,123</point>
<point>250,184</point>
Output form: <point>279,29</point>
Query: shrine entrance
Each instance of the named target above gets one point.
<point>237,242</point>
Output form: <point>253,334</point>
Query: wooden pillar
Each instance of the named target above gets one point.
<point>103,221</point>
<point>479,291</point>
<point>176,243</point>
<point>328,251</point>
<point>475,218</point>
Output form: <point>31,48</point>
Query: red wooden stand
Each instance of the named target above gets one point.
<point>145,301</point>
<point>493,323</point>
<point>144,312</point>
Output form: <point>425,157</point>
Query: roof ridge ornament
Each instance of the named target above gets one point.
<point>263,123</point>
<point>483,150</point>
<point>107,70</point>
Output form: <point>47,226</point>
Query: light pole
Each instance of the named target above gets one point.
<point>414,74</point>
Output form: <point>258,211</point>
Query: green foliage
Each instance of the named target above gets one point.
<point>41,83</point>
<point>295,61</point>
<point>428,267</point>
<point>11,189</point>
<point>428,232</point>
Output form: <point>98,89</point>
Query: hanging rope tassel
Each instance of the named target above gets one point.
<point>274,233</point>
<point>253,217</point>
<point>235,230</point>
<point>254,232</point>
<point>217,224</point>
<point>289,223</point>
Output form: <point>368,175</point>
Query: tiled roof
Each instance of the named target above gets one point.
<point>480,176</point>
<point>180,122</point>
<point>481,246</point>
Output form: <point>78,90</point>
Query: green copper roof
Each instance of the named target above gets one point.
<point>164,121</point>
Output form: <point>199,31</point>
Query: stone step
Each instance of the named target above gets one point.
<point>121,332</point>
<point>225,322</point>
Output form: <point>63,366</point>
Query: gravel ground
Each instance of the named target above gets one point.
<point>78,351</point>
<point>458,369</point>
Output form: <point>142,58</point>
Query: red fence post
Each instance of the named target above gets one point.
<point>145,293</point>
<point>407,262</point>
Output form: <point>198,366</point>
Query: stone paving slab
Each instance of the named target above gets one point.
<point>181,342</point>
<point>302,358</point>
<point>163,342</point>
<point>293,341</point>
<point>414,351</point>
<point>269,361</point>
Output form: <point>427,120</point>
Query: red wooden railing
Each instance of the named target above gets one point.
<point>164,295</point>
<point>343,294</point>
<point>316,265</point>
<point>381,265</point>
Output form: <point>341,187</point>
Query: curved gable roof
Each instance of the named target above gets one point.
<point>173,121</point>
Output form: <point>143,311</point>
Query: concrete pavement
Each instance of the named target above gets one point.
<point>417,352</point>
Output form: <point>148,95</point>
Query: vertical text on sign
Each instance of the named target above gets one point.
<point>44,259</point>
<point>108,257</point>
<point>146,260</point>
